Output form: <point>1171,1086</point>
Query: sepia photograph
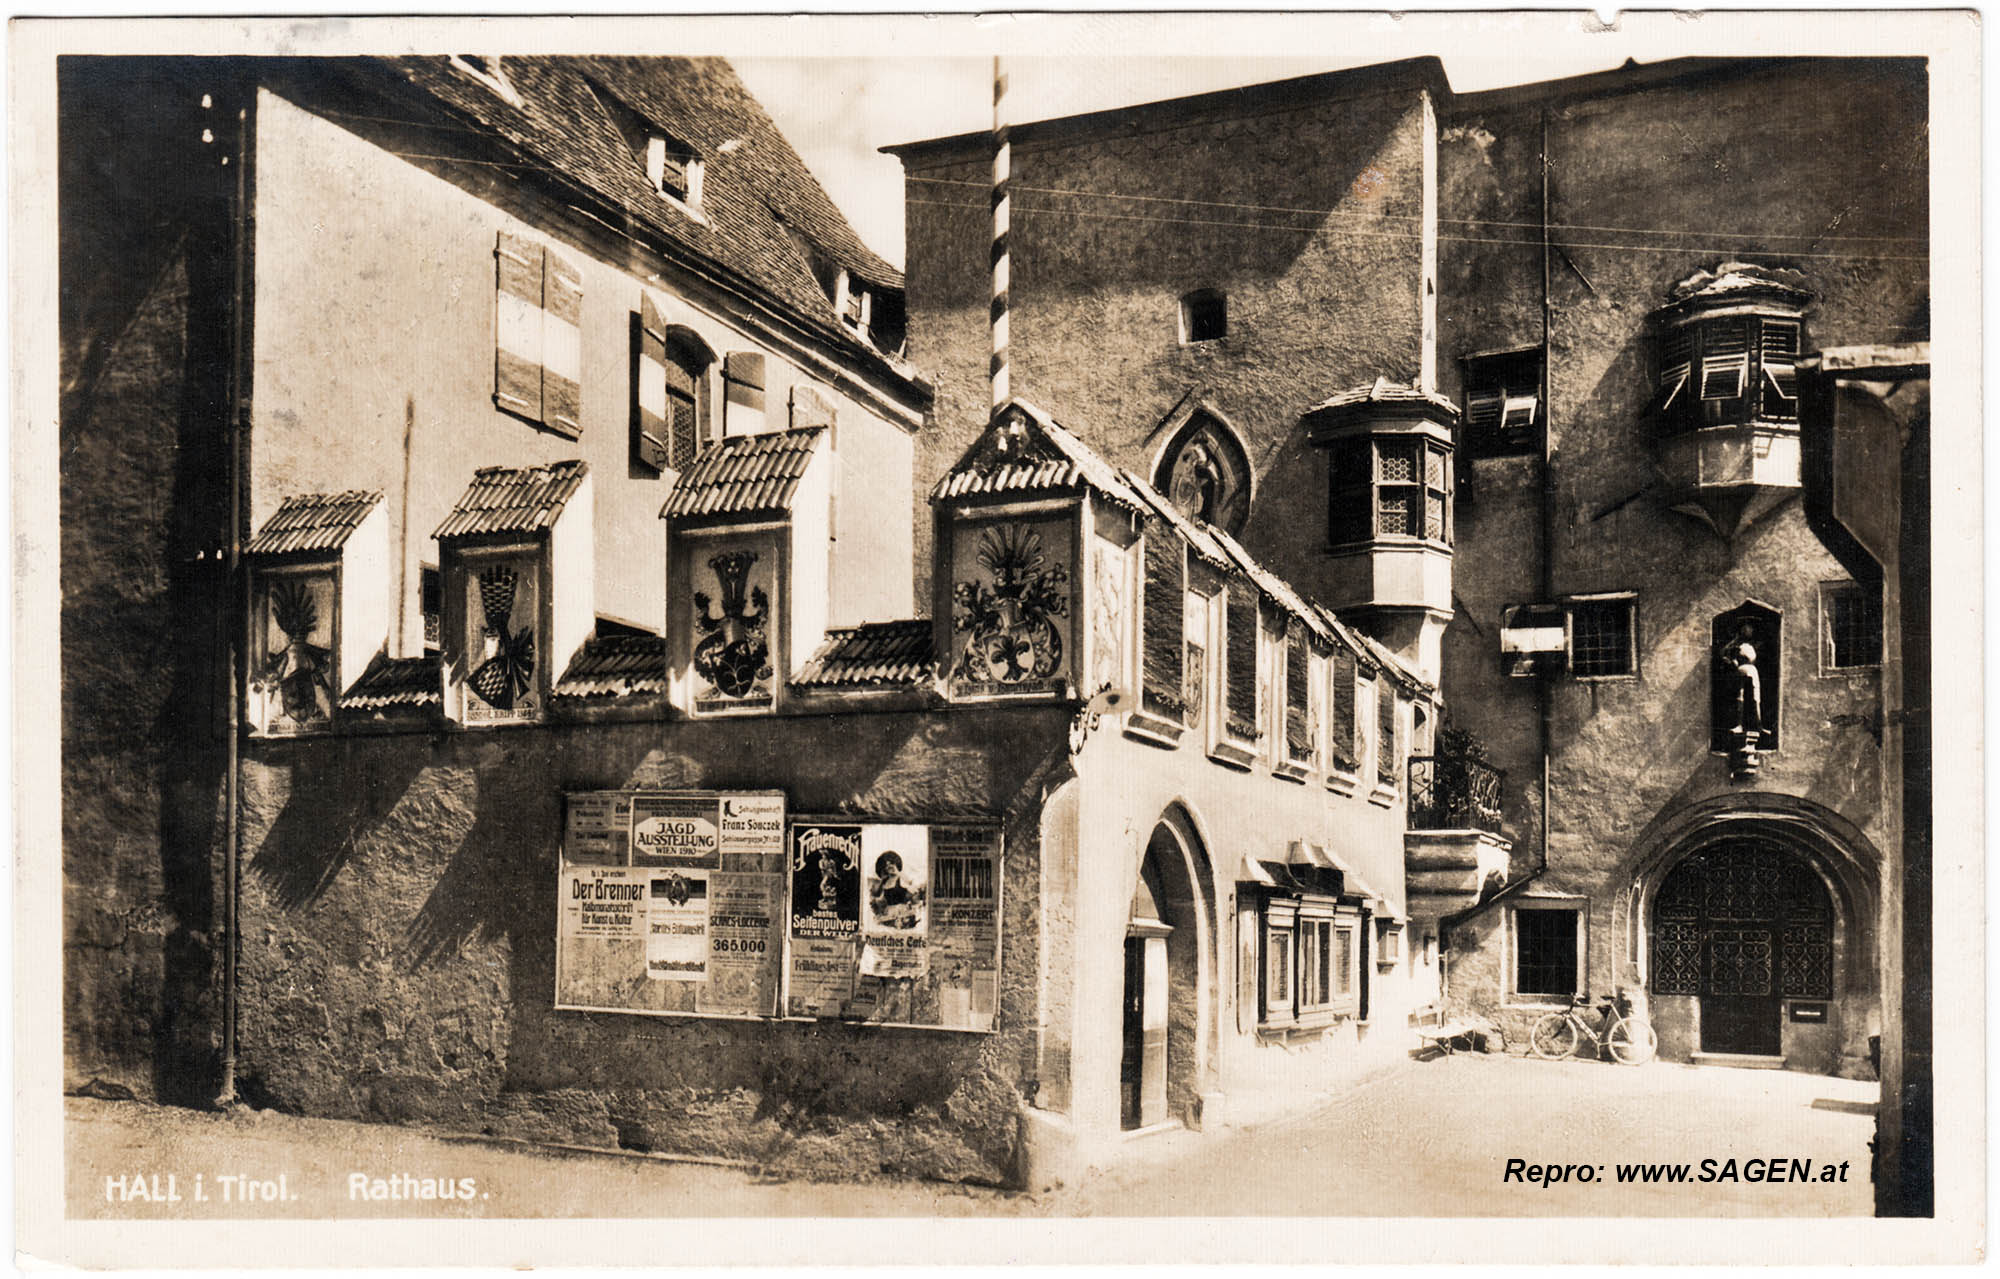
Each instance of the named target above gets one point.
<point>1129,633</point>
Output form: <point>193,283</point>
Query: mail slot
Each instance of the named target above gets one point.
<point>1808,1012</point>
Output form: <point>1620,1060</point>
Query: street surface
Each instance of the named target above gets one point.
<point>1426,1139</point>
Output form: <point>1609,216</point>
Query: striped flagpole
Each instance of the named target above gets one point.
<point>1002,164</point>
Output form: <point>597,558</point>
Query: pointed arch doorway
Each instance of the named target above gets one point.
<point>1168,1009</point>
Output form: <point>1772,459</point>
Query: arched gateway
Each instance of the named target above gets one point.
<point>1169,1048</point>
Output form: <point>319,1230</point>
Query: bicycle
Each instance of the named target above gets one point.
<point>1632,1043</point>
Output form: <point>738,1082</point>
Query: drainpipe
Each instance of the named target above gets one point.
<point>239,409</point>
<point>1544,694</point>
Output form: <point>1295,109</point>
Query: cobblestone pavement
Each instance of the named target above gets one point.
<point>1425,1139</point>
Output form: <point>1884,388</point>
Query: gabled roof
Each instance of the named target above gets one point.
<point>505,499</point>
<point>872,654</point>
<point>745,475</point>
<point>616,666</point>
<point>312,522</point>
<point>1027,451</point>
<point>396,681</point>
<point>763,216</point>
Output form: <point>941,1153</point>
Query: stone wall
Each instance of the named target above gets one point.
<point>399,943</point>
<point>144,259</point>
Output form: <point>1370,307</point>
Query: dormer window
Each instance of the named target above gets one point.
<point>486,68</point>
<point>674,169</point>
<point>854,303</point>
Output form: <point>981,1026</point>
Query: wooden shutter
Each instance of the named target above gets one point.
<point>562,345</point>
<point>1387,761</point>
<point>1298,695</point>
<point>1163,623</point>
<point>743,393</point>
<point>1725,361</point>
<point>650,433</point>
<point>1240,657</point>
<point>1778,353</point>
<point>1351,493</point>
<point>517,360</point>
<point>1343,734</point>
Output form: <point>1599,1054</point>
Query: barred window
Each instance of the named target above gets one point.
<point>1545,951</point>
<point>1601,635</point>
<point>1853,620</point>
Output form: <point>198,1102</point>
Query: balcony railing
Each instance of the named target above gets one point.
<point>1454,792</point>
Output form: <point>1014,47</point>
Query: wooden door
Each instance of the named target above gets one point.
<point>1131,1063</point>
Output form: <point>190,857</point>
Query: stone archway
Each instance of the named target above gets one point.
<point>1171,966</point>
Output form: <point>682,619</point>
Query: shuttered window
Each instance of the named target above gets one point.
<point>1727,370</point>
<point>538,341</point>
<point>1163,626</point>
<point>1240,660</point>
<point>1388,761</point>
<point>1778,342</point>
<point>743,393</point>
<point>670,398</point>
<point>1298,697</point>
<point>1343,739</point>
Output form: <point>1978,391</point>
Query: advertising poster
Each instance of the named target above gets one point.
<point>671,903</point>
<point>677,926</point>
<point>965,925</point>
<point>895,902</point>
<point>826,919</point>
<point>675,830</point>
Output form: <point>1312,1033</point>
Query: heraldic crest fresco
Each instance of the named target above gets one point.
<point>505,676</point>
<point>299,661</point>
<point>1009,614</point>
<point>733,654</point>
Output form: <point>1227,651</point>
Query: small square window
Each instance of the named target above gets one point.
<point>1853,623</point>
<point>1601,638</point>
<point>1546,951</point>
<point>1204,315</point>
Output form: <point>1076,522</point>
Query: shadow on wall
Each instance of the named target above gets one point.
<point>339,793</point>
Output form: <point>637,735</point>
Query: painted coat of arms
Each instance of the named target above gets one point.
<point>732,653</point>
<point>1009,615</point>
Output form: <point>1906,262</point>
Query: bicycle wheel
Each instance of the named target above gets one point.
<point>1554,1037</point>
<point>1633,1043</point>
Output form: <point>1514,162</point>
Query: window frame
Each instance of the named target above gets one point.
<point>1306,937</point>
<point>1493,382</point>
<point>1630,601</point>
<point>1578,908</point>
<point>1196,304</point>
<point>1830,593</point>
<point>1432,487</point>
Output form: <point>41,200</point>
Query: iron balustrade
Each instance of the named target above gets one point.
<point>1454,792</point>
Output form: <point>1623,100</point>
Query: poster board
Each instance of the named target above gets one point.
<point>671,902</point>
<point>895,924</point>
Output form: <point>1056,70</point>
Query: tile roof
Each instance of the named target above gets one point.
<point>763,215</point>
<point>873,653</point>
<point>396,681</point>
<point>312,522</point>
<point>616,666</point>
<point>745,474</point>
<point>1048,456</point>
<point>1383,391</point>
<point>1733,278</point>
<point>503,499</point>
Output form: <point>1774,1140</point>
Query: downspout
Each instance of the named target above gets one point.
<point>1544,694</point>
<point>238,403</point>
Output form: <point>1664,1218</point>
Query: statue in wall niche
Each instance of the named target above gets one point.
<point>1742,683</point>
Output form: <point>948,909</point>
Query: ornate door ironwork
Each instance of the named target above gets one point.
<point>1743,924</point>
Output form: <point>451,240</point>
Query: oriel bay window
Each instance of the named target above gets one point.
<point>1389,487</point>
<point>1728,369</point>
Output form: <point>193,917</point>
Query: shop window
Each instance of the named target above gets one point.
<point>1851,625</point>
<point>1204,315</point>
<point>1503,404</point>
<point>1389,488</point>
<point>1721,370</point>
<point>538,344</point>
<point>670,402</point>
<point>1548,951</point>
<point>1602,637</point>
<point>1206,474</point>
